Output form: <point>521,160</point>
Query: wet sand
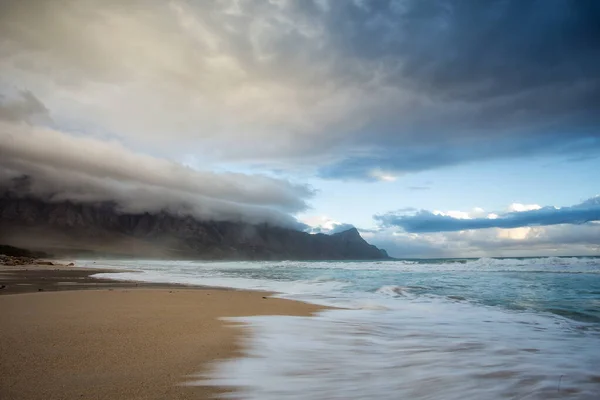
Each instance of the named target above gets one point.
<point>119,340</point>
<point>51,278</point>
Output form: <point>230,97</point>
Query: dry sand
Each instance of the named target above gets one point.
<point>118,343</point>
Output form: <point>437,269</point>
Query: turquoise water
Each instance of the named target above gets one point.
<point>565,288</point>
<point>413,329</point>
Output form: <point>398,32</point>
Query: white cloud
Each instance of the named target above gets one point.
<point>476,212</point>
<point>324,224</point>
<point>517,207</point>
<point>320,221</point>
<point>454,214</point>
<point>383,176</point>
<point>515,233</point>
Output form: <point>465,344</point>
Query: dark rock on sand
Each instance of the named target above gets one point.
<point>44,263</point>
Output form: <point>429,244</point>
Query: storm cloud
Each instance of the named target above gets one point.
<point>343,89</point>
<point>427,221</point>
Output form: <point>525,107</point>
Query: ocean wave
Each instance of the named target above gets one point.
<point>484,264</point>
<point>541,264</point>
<point>394,291</point>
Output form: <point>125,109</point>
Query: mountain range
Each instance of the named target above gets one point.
<point>72,229</point>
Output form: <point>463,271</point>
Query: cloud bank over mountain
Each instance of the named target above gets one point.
<point>57,166</point>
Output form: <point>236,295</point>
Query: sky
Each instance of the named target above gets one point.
<point>438,128</point>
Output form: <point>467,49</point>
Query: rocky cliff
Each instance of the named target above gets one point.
<point>96,230</point>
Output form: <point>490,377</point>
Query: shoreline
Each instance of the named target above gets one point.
<point>84,337</point>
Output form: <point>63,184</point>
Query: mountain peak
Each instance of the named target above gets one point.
<point>351,233</point>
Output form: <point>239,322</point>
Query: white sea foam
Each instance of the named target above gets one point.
<point>392,290</point>
<point>438,351</point>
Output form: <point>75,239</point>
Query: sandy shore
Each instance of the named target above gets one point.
<point>118,341</point>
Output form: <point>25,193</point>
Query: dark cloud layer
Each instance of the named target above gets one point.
<point>497,79</point>
<point>472,49</point>
<point>426,221</point>
<point>347,89</point>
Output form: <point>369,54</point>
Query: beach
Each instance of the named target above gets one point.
<point>121,340</point>
<point>451,329</point>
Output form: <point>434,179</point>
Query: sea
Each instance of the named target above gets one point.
<point>443,329</point>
